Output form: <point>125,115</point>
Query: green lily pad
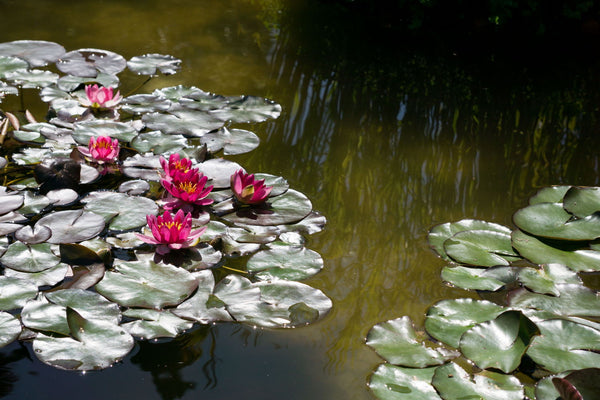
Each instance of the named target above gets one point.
<point>93,345</point>
<point>85,130</point>
<point>134,187</point>
<point>539,252</point>
<point>582,201</point>
<point>36,52</point>
<point>551,220</point>
<point>10,328</point>
<point>10,201</point>
<point>440,233</point>
<point>142,166</point>
<point>248,109</point>
<point>144,103</point>
<point>480,247</point>
<point>41,315</point>
<point>47,277</point>
<point>499,343</point>
<point>550,194</point>
<point>149,63</point>
<point>176,93</point>
<point>90,62</point>
<point>151,324</point>
<point>15,292</point>
<point>72,226</point>
<point>282,261</point>
<point>69,83</point>
<point>28,137</point>
<point>158,142</point>
<point>29,258</point>
<point>490,279</point>
<point>574,300</point>
<point>564,345</point>
<point>290,207</point>
<point>120,211</point>
<point>390,382</point>
<point>146,284</point>
<point>33,204</point>
<point>9,64</point>
<point>33,235</point>
<point>544,280</point>
<point>219,171</point>
<point>397,342</point>
<point>253,234</point>
<point>187,122</point>
<point>586,381</point>
<point>231,141</point>
<point>447,320</point>
<point>453,382</point>
<point>203,306</point>
<point>31,79</point>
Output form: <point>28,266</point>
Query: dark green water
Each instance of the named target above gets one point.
<point>385,136</point>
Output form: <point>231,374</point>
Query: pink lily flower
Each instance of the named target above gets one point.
<point>100,97</point>
<point>175,164</point>
<point>102,149</point>
<point>247,190</point>
<point>188,188</point>
<point>171,232</point>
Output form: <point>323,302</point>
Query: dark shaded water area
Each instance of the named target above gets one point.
<point>387,135</point>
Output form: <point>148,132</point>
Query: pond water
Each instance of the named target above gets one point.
<point>385,137</point>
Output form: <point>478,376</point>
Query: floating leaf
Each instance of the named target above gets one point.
<point>151,324</point>
<point>15,292</point>
<point>69,83</point>
<point>146,284</point>
<point>480,247</point>
<point>219,171</point>
<point>29,258</point>
<point>144,103</point>
<point>248,109</point>
<point>97,345</point>
<point>135,187</point>
<point>390,382</point>
<point>72,226</point>
<point>544,280</point>
<point>203,306</point>
<point>142,166</point>
<point>31,79</point>
<point>9,201</point>
<point>9,64</point>
<point>149,63</point>
<point>582,202</point>
<point>231,141</point>
<point>89,62</point>
<point>10,328</point>
<point>36,52</point>
<point>62,197</point>
<point>33,204</point>
<point>440,233</point>
<point>47,277</point>
<point>118,130</point>
<point>120,211</point>
<point>282,261</point>
<point>33,235</point>
<point>158,142</point>
<point>447,320</point>
<point>480,279</point>
<point>586,381</point>
<point>189,122</point>
<point>550,194</point>
<point>574,300</point>
<point>564,345</point>
<point>397,343</point>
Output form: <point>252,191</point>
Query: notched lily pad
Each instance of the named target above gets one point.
<point>120,211</point>
<point>231,141</point>
<point>282,261</point>
<point>10,328</point>
<point>390,382</point>
<point>15,292</point>
<point>480,247</point>
<point>29,258</point>
<point>151,324</point>
<point>72,226</point>
<point>149,63</point>
<point>89,62</point>
<point>144,103</point>
<point>36,52</point>
<point>31,79</point>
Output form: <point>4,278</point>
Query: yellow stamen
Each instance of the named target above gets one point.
<point>171,224</point>
<point>248,191</point>
<point>187,186</point>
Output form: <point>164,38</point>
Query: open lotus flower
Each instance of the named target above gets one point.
<point>100,97</point>
<point>102,149</point>
<point>188,188</point>
<point>171,232</point>
<point>247,190</point>
<point>174,165</point>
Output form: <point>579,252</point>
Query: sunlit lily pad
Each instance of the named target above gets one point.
<point>582,201</point>
<point>281,261</point>
<point>440,233</point>
<point>499,343</point>
<point>72,226</point>
<point>50,276</point>
<point>120,211</point>
<point>36,52</point>
<point>15,292</point>
<point>89,62</point>
<point>33,235</point>
<point>142,166</point>
<point>203,306</point>
<point>390,382</point>
<point>447,320</point>
<point>231,141</point>
<point>574,300</point>
<point>539,252</point>
<point>29,258</point>
<point>62,197</point>
<point>544,280</point>
<point>292,206</point>
<point>10,201</point>
<point>219,171</point>
<point>93,345</point>
<point>480,247</point>
<point>9,64</point>
<point>33,204</point>
<point>119,130</point>
<point>151,324</point>
<point>146,284</point>
<point>549,194</point>
<point>187,122</point>
<point>69,83</point>
<point>144,103</point>
<point>10,328</point>
<point>453,382</point>
<point>149,63</point>
<point>480,279</point>
<point>565,345</point>
<point>31,79</point>
<point>158,142</point>
<point>248,109</point>
<point>397,342</point>
<point>134,187</point>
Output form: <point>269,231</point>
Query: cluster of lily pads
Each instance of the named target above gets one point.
<point>533,334</point>
<point>120,219</point>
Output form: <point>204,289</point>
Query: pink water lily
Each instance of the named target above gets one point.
<point>174,165</point>
<point>100,97</point>
<point>171,232</point>
<point>248,190</point>
<point>102,149</point>
<point>188,189</point>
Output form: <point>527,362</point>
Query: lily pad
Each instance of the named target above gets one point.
<point>47,277</point>
<point>142,166</point>
<point>29,258</point>
<point>480,247</point>
<point>447,320</point>
<point>149,63</point>
<point>151,324</point>
<point>31,79</point>
<point>231,141</point>
<point>574,300</point>
<point>72,226</point>
<point>89,62</point>
<point>203,306</point>
<point>158,142</point>
<point>10,328</point>
<point>490,279</point>
<point>549,194</point>
<point>146,284</point>
<point>144,103</point>
<point>586,381</point>
<point>248,109</point>
<point>397,342</point>
<point>120,211</point>
<point>218,171</point>
<point>93,345</point>
<point>33,204</point>
<point>135,187</point>
<point>118,130</point>
<point>33,235</point>
<point>69,83</point>
<point>282,261</point>
<point>564,345</point>
<point>544,280</point>
<point>36,52</point>
<point>15,292</point>
<point>390,382</point>
<point>187,122</point>
<point>9,64</point>
<point>582,201</point>
<point>10,201</point>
